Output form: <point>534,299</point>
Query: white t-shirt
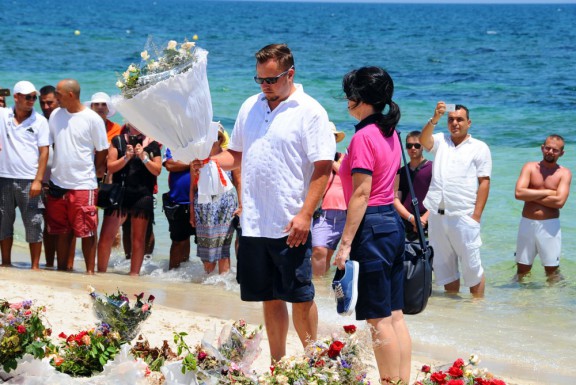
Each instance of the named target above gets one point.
<point>19,154</point>
<point>279,149</point>
<point>455,173</point>
<point>76,137</point>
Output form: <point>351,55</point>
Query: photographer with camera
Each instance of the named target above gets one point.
<point>135,160</point>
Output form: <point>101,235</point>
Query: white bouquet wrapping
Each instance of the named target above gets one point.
<point>169,100</point>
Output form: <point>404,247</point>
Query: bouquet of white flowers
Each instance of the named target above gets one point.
<point>167,97</point>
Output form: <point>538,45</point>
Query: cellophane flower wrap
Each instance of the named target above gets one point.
<point>116,311</point>
<point>167,97</point>
<point>22,331</point>
<point>330,361</point>
<point>226,363</point>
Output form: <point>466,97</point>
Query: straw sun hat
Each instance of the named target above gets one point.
<point>339,134</point>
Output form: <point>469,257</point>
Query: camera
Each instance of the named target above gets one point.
<point>4,92</point>
<point>133,140</point>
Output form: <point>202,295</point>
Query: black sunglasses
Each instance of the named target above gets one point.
<point>273,80</point>
<point>30,97</point>
<point>415,145</point>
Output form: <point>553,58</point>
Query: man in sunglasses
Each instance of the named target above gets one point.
<point>421,176</point>
<point>456,199</point>
<point>544,187</point>
<point>25,139</point>
<point>285,145</point>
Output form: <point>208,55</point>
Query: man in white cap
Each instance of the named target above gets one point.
<point>101,104</point>
<point>25,140</point>
<point>80,149</point>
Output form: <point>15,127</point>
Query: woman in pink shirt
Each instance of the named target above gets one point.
<point>374,234</point>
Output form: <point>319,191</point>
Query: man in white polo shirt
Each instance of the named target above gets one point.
<point>283,141</point>
<point>24,134</point>
<point>456,199</point>
<point>80,149</point>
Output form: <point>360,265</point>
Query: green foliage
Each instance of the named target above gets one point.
<point>82,354</point>
<point>21,331</point>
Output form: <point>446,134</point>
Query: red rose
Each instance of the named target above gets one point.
<point>272,369</point>
<point>202,355</point>
<point>438,378</point>
<point>334,350</point>
<point>425,369</point>
<point>319,363</point>
<point>151,298</point>
<point>481,381</point>
<point>455,371</point>
<point>496,381</point>
<point>350,329</point>
<point>455,382</point>
<point>21,329</point>
<point>458,363</point>
<point>62,335</point>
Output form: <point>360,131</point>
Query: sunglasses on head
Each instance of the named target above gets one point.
<point>30,97</point>
<point>273,80</point>
<point>415,145</point>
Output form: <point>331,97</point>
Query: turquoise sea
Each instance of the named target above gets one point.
<point>512,65</point>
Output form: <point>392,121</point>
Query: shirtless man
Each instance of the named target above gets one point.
<point>544,187</point>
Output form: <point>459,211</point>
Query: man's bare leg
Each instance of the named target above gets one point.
<point>305,319</point>
<point>276,322</point>
<point>35,251</point>
<point>6,250</point>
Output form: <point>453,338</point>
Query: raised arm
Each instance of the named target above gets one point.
<point>426,137</point>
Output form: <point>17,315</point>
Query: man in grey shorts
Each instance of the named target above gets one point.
<point>25,138</point>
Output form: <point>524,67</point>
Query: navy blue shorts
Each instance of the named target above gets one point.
<point>379,249</point>
<point>269,269</point>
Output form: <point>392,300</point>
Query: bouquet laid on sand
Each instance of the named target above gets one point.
<point>22,331</point>
<point>331,361</point>
<point>459,373</point>
<point>115,310</point>
<point>228,362</point>
<point>167,97</point>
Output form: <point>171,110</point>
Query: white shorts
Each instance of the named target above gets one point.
<point>456,240</point>
<point>542,237</point>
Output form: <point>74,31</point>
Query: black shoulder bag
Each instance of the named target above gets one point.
<point>110,195</point>
<point>418,258</point>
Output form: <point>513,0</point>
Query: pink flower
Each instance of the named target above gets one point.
<point>16,306</point>
<point>145,308</point>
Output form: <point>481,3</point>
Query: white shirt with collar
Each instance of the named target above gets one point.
<point>455,173</point>
<point>19,155</point>
<point>279,149</point>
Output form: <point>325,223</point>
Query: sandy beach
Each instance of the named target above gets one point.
<point>177,308</point>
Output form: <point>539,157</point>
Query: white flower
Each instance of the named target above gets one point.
<point>172,44</point>
<point>152,66</point>
<point>468,373</point>
<point>144,55</point>
<point>132,68</point>
<point>188,45</point>
<point>474,359</point>
<point>476,372</point>
<point>282,379</point>
<point>91,289</point>
<point>126,75</point>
